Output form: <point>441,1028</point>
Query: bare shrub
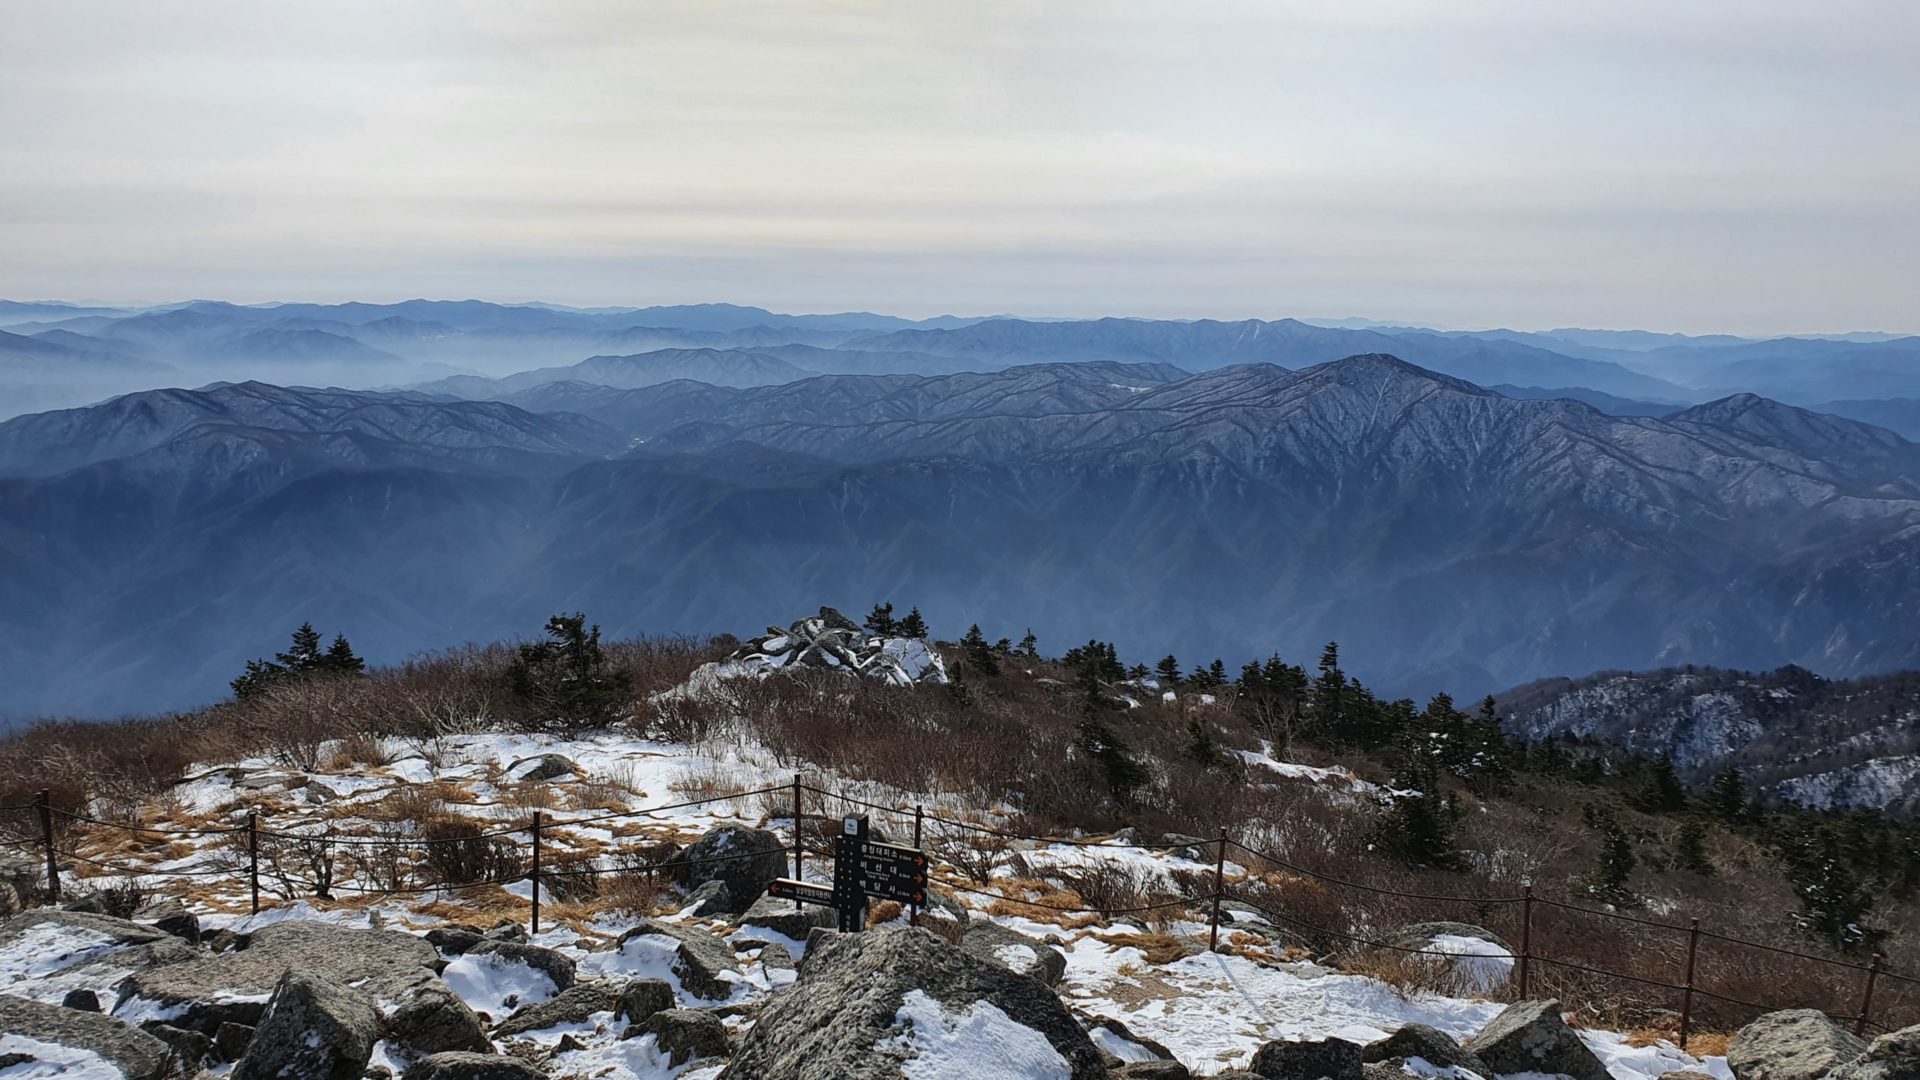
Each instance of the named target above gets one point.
<point>119,899</point>
<point>977,855</point>
<point>1111,887</point>
<point>706,780</point>
<point>460,851</point>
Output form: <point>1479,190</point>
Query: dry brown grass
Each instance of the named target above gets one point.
<point>882,912</point>
<point>1158,949</point>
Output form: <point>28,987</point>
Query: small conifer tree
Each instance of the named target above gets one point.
<point>979,653</point>
<point>913,626</point>
<point>567,677</point>
<point>1690,846</point>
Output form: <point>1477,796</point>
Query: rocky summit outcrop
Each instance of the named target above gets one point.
<point>1793,1044</point>
<point>571,1006</point>
<point>1531,1036</point>
<point>65,1041</point>
<point>1014,951</point>
<point>1893,1056</point>
<point>1429,1044</point>
<point>788,919</point>
<point>685,1034</point>
<point>745,860</point>
<point>829,641</point>
<point>431,1019</point>
<point>85,953</point>
<point>703,964</point>
<point>460,1065</point>
<point>555,965</point>
<point>865,1004</point>
<point>214,988</point>
<point>313,1029</point>
<point>1315,1059</point>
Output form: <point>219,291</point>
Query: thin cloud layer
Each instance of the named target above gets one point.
<point>1714,166</point>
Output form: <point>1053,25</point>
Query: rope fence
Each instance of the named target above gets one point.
<point>318,851</point>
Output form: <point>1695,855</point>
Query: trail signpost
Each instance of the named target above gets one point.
<point>863,870</point>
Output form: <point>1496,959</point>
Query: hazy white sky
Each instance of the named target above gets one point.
<point>1747,165</point>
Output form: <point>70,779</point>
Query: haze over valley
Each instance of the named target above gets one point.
<point>1468,511</point>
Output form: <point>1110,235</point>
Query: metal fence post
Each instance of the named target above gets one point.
<point>1526,936</point>
<point>1219,888</point>
<point>799,840</point>
<point>919,815</point>
<point>536,874</point>
<point>253,858</point>
<point>44,802</point>
<point>1866,997</point>
<point>1686,998</point>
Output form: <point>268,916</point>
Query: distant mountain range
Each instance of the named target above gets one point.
<point>1446,534</point>
<point>464,347</point>
<point>1793,734</point>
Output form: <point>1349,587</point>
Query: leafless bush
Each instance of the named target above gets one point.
<point>460,851</point>
<point>119,899</point>
<point>1111,887</point>
<point>977,855</point>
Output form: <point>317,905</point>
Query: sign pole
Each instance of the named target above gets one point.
<point>799,840</point>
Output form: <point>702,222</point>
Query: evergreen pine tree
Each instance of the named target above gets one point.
<point>303,658</point>
<point>1138,673</point>
<point>340,658</point>
<point>1690,846</point>
<point>304,654</point>
<point>913,626</point>
<point>1123,774</point>
<point>1490,754</point>
<point>1616,860</point>
<point>1418,827</point>
<point>1217,673</point>
<point>1835,901</point>
<point>1167,671</point>
<point>1726,799</point>
<point>1328,700</point>
<point>979,653</point>
<point>1029,647</point>
<point>1201,745</point>
<point>566,676</point>
<point>880,621</point>
<point>1661,791</point>
<point>259,675</point>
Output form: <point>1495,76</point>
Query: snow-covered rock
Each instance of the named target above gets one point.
<point>900,1003</point>
<point>828,641</point>
<point>40,1040</point>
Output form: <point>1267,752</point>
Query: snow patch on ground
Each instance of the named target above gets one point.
<point>978,1043</point>
<point>53,1060</point>
<point>492,984</point>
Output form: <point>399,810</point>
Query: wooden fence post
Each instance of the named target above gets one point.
<point>44,802</point>
<point>1866,997</point>
<point>799,841</point>
<point>536,874</point>
<point>253,858</point>
<point>1219,889</point>
<point>1686,998</point>
<point>1526,936</point>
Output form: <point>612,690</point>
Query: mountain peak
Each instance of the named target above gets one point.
<point>1373,367</point>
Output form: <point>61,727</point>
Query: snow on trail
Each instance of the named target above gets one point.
<point>1212,1011</point>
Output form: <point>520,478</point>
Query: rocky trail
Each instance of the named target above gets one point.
<point>386,976</point>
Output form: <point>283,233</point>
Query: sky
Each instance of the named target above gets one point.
<point>1703,166</point>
